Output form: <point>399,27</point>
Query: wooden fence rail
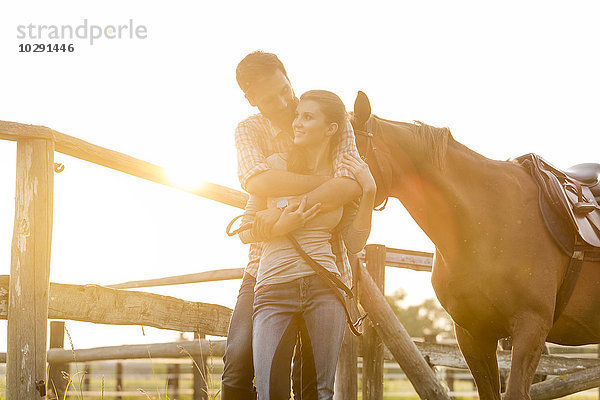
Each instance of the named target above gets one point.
<point>101,305</point>
<point>444,355</point>
<point>86,151</point>
<point>396,258</point>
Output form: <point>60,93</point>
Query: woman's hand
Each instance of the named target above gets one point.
<point>294,217</point>
<point>361,172</point>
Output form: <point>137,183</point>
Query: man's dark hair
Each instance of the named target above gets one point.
<point>255,67</point>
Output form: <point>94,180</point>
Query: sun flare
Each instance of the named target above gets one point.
<point>184,177</point>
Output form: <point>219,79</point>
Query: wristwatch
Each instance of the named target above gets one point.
<point>282,204</point>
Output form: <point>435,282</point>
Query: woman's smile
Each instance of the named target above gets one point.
<point>310,125</point>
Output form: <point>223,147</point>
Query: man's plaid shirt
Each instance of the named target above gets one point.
<point>256,139</point>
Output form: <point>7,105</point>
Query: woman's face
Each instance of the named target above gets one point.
<point>311,128</point>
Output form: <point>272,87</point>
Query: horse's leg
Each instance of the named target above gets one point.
<point>529,339</point>
<point>480,354</point>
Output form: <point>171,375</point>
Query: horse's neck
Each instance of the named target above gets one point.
<point>441,200</point>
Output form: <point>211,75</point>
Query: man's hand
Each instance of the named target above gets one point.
<point>264,222</point>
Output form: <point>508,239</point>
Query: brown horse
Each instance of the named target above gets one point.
<point>496,268</point>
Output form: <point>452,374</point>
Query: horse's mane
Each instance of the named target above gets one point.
<point>434,141</point>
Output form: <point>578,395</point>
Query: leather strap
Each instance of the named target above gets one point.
<point>568,285</point>
<point>371,146</point>
<point>333,282</point>
<point>319,269</point>
<point>330,279</point>
<point>238,230</point>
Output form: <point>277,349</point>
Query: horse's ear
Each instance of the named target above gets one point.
<point>362,108</point>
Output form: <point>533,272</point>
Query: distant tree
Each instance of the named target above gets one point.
<point>421,320</point>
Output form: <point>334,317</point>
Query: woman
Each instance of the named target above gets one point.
<point>289,297</point>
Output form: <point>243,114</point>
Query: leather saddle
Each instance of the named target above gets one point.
<point>568,200</point>
<point>588,174</point>
<point>573,194</point>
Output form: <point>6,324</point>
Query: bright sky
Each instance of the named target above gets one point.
<point>507,78</point>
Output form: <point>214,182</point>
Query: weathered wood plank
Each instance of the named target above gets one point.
<point>398,341</point>
<point>101,305</point>
<point>415,260</point>
<point>14,130</point>
<point>346,374</point>
<point>566,384</point>
<point>30,269</point>
<point>407,259</point>
<point>448,355</point>
<point>142,169</point>
<point>181,349</point>
<point>410,259</point>
<point>205,276</point>
<point>83,150</point>
<point>375,255</point>
<point>437,354</point>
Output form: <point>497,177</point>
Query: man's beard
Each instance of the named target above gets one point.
<point>283,119</point>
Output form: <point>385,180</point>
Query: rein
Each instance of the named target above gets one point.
<point>371,145</point>
<point>329,278</point>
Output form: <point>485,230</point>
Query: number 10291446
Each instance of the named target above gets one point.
<point>46,48</point>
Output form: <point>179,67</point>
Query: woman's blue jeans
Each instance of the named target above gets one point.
<point>238,371</point>
<point>281,311</point>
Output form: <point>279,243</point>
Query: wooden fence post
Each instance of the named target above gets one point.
<point>56,380</point>
<point>450,381</point>
<point>86,377</point>
<point>372,371</point>
<point>119,376</point>
<point>398,341</point>
<point>200,373</point>
<point>172,380</point>
<point>29,270</point>
<point>346,374</point>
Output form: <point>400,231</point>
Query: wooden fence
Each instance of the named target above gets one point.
<point>28,299</point>
<point>176,376</point>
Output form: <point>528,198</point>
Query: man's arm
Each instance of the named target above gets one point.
<point>254,205</point>
<point>334,193</point>
<point>280,183</point>
<point>330,193</point>
<point>254,172</point>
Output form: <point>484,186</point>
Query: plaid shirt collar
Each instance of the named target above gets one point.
<point>274,130</point>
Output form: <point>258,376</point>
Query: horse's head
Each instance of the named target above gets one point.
<point>367,142</point>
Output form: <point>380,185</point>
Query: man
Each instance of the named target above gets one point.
<point>264,81</point>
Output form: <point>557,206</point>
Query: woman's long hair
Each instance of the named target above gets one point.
<point>334,110</point>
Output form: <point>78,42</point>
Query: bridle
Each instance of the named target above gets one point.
<point>371,146</point>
